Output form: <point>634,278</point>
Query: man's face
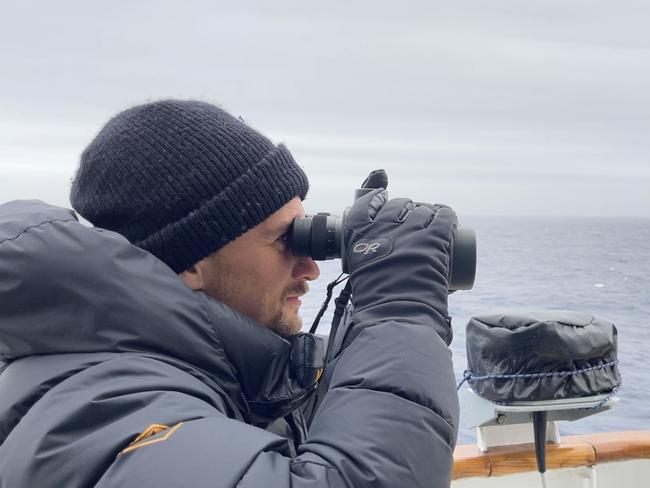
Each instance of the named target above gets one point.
<point>258,275</point>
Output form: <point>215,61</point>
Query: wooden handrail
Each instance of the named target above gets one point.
<point>574,451</point>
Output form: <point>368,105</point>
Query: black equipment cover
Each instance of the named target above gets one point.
<point>559,354</point>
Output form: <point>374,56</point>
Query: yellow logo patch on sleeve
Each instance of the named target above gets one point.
<point>144,438</point>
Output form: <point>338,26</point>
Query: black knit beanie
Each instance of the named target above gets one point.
<point>181,179</point>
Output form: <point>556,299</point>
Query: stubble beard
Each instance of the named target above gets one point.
<point>287,326</point>
<point>223,287</point>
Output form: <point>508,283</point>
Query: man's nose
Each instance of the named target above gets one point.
<point>306,269</point>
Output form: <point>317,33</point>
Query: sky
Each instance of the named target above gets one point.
<point>496,108</point>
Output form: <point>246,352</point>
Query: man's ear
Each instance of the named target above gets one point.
<point>193,277</point>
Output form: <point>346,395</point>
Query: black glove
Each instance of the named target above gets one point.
<point>397,253</point>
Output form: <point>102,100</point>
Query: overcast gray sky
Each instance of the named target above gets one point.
<point>499,107</point>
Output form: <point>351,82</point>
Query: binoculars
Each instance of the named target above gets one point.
<point>320,236</point>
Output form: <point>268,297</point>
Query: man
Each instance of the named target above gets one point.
<point>165,351</point>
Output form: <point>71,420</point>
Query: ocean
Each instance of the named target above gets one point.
<point>599,266</point>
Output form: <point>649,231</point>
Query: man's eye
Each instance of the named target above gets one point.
<point>283,239</point>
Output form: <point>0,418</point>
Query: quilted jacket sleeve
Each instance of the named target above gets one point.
<point>388,419</point>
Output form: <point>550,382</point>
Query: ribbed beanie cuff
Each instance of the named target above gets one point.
<point>247,201</point>
<point>181,179</point>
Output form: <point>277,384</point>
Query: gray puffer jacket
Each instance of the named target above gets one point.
<point>114,374</point>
